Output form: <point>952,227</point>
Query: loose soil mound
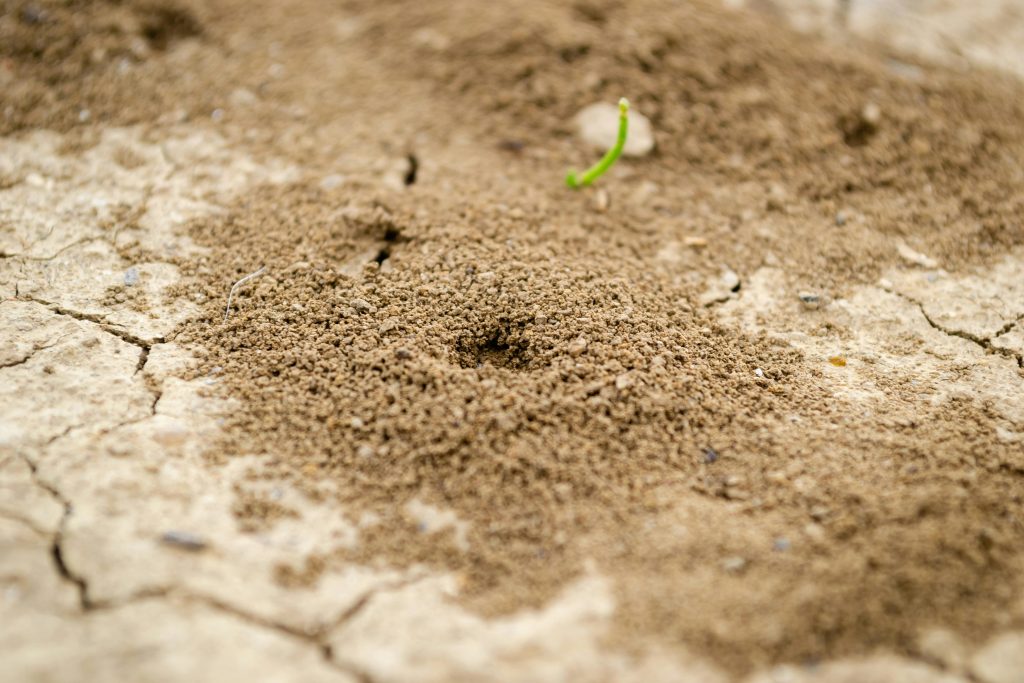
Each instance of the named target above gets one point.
<point>571,408</point>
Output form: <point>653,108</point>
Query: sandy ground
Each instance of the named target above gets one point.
<point>123,553</point>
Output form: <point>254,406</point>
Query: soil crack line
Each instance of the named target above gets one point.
<point>1008,326</point>
<point>18,519</point>
<point>54,255</point>
<point>983,342</point>
<point>56,546</point>
<point>27,358</point>
<point>61,562</point>
<point>104,324</point>
<point>143,359</point>
<point>316,637</point>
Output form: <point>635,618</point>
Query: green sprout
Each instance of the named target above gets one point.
<point>598,169</point>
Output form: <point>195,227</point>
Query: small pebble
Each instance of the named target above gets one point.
<point>777,198</point>
<point>243,97</point>
<point>734,565</point>
<point>905,70</point>
<point>810,300</point>
<point>131,276</point>
<point>364,452</point>
<point>710,455</point>
<point>914,257</point>
<point>184,540</point>
<point>598,125</point>
<point>759,372</point>
<point>871,114</point>
<point>331,181</point>
<point>577,347</point>
<point>514,146</point>
<point>838,361</point>
<point>363,306</point>
<point>32,14</point>
<point>730,280</point>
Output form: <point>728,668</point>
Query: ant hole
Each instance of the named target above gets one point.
<point>414,166</point>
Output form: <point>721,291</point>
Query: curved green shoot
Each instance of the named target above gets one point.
<point>610,157</point>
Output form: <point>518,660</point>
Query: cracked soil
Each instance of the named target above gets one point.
<point>750,409</point>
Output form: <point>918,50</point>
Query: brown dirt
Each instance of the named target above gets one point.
<point>487,341</point>
<point>59,58</point>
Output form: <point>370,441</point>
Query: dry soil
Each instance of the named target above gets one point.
<point>764,383</point>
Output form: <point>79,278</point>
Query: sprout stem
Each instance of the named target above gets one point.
<point>598,169</point>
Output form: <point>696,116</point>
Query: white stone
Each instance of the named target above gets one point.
<point>598,126</point>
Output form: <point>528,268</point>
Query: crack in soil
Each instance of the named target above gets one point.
<point>18,519</point>
<point>984,343</point>
<point>35,349</point>
<point>28,357</point>
<point>57,550</point>
<point>56,547</point>
<point>157,395</point>
<point>49,257</point>
<point>316,637</point>
<point>1005,330</point>
<point>53,439</point>
<point>104,324</point>
<point>143,359</point>
<point>1007,327</point>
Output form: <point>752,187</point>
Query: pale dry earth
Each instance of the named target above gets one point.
<point>957,33</point>
<point>120,555</point>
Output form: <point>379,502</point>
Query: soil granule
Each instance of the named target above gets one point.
<point>447,324</point>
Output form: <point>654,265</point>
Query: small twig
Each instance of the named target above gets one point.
<point>231,294</point>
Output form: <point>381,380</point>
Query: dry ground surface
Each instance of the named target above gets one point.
<point>751,409</point>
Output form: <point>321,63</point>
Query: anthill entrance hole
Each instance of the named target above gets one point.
<point>391,235</point>
<point>163,25</point>
<point>414,166</point>
<point>499,349</point>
